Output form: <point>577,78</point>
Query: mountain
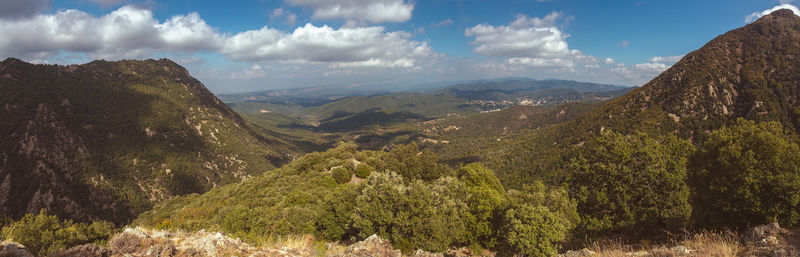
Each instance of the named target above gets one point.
<point>107,140</point>
<point>751,72</point>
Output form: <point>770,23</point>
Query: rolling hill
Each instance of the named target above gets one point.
<point>107,140</point>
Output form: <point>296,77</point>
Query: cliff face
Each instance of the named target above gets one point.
<point>106,140</point>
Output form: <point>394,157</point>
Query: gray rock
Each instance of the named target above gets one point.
<point>9,248</point>
<point>372,246</point>
<point>754,235</point>
<point>681,250</point>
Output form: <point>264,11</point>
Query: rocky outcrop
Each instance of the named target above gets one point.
<point>9,248</point>
<point>771,240</point>
<point>372,246</point>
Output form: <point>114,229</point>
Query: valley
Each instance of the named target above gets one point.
<point>140,158</point>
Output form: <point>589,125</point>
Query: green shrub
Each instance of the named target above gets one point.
<point>420,215</point>
<point>533,230</point>
<point>43,234</point>
<point>363,170</point>
<point>745,175</point>
<point>337,208</point>
<point>411,163</point>
<point>632,184</point>
<point>341,174</point>
<point>486,200</point>
<point>556,199</point>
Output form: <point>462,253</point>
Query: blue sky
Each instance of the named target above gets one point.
<point>235,46</point>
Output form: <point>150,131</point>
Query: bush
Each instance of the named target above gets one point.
<point>411,163</point>
<point>746,175</point>
<point>337,208</point>
<point>43,234</point>
<point>632,184</point>
<point>533,230</point>
<point>363,170</point>
<point>341,174</point>
<point>420,215</point>
<point>486,200</point>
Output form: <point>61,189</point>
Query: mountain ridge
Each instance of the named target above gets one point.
<point>106,140</point>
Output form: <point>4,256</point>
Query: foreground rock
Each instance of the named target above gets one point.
<point>771,240</point>
<point>135,242</point>
<point>9,248</point>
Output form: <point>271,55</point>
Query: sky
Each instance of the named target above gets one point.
<point>239,46</point>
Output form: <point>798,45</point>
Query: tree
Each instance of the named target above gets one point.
<point>341,174</point>
<point>411,163</point>
<point>420,215</point>
<point>633,184</point>
<point>533,230</point>
<point>43,234</point>
<point>747,174</point>
<point>363,170</point>
<point>337,208</point>
<point>486,200</point>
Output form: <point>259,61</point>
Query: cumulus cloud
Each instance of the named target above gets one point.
<point>526,37</point>
<point>368,46</point>
<point>666,59</point>
<point>128,32</point>
<point>16,9</point>
<point>132,32</point>
<point>784,5</point>
<point>289,18</point>
<point>609,61</point>
<point>526,41</point>
<point>374,11</point>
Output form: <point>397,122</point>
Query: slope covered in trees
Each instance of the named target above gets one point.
<point>750,72</point>
<point>106,140</point>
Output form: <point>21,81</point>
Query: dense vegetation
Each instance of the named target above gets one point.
<point>410,199</point>
<point>634,186</point>
<point>43,233</point>
<point>746,175</point>
<point>72,146</point>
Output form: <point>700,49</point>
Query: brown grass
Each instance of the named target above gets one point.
<point>706,243</point>
<point>716,244</point>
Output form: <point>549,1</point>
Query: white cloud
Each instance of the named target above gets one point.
<point>666,59</point>
<point>289,18</point>
<point>106,3</point>
<point>534,42</point>
<point>369,46</point>
<point>16,9</point>
<point>524,37</point>
<point>132,32</point>
<point>374,11</point>
<point>784,5</point>
<point>256,71</point>
<point>443,23</point>
<point>609,61</point>
<point>127,32</point>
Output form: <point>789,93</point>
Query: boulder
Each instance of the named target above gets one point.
<point>9,248</point>
<point>756,234</point>
<point>372,246</point>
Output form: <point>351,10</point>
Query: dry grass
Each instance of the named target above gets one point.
<point>706,243</point>
<point>715,244</point>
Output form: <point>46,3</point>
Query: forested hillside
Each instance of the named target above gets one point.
<point>107,140</point>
